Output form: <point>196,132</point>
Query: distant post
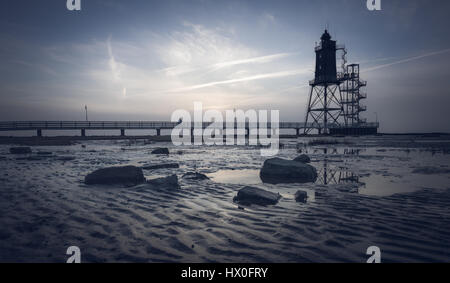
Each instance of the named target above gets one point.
<point>85,108</point>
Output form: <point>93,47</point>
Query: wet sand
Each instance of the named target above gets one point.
<point>366,194</point>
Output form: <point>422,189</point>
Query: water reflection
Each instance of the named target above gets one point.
<point>336,175</point>
<point>327,175</point>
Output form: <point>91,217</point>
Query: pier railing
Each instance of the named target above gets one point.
<point>39,126</point>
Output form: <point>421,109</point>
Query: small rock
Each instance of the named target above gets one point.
<point>431,170</point>
<point>251,195</point>
<point>20,150</point>
<point>303,158</point>
<point>160,166</point>
<point>277,170</point>
<point>31,158</point>
<point>170,182</point>
<point>301,196</point>
<point>125,175</point>
<point>66,158</point>
<point>161,150</point>
<point>195,176</point>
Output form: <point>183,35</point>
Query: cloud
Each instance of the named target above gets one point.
<point>261,59</point>
<point>405,60</point>
<point>267,19</point>
<point>185,69</point>
<point>148,69</point>
<point>244,79</point>
<point>112,61</point>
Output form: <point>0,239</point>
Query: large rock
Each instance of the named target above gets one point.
<point>195,176</point>
<point>252,195</point>
<point>126,175</point>
<point>160,166</point>
<point>161,150</point>
<point>301,196</point>
<point>20,150</point>
<point>277,170</point>
<point>303,158</point>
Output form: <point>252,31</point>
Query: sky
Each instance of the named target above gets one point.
<point>143,59</point>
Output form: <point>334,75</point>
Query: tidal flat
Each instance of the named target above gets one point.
<point>386,191</point>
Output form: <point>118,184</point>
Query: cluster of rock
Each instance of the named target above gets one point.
<point>276,171</point>
<point>252,195</point>
<point>129,176</point>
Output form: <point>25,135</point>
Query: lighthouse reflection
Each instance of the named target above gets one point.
<point>330,173</point>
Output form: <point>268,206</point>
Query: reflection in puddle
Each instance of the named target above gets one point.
<point>336,175</point>
<point>379,185</point>
<point>244,177</point>
<point>326,176</point>
<point>374,172</point>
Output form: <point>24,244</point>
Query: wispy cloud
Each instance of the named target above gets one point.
<point>405,60</point>
<point>158,68</point>
<point>244,79</point>
<point>261,59</point>
<point>37,66</point>
<point>114,66</point>
<point>185,69</point>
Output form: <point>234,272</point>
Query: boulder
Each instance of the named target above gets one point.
<point>170,182</point>
<point>303,158</point>
<point>160,166</point>
<point>125,175</point>
<point>301,196</point>
<point>195,176</point>
<point>251,195</point>
<point>277,170</point>
<point>161,150</point>
<point>20,150</point>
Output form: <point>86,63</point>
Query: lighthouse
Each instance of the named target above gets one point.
<point>325,110</point>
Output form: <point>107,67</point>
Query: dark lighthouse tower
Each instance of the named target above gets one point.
<point>324,106</point>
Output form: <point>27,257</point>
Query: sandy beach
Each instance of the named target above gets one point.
<point>388,191</point>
